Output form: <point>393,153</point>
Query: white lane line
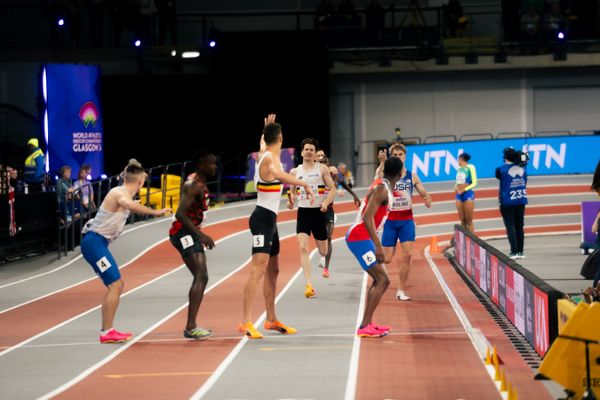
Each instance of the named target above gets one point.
<point>350,392</point>
<point>136,339</point>
<point>51,329</point>
<point>203,390</point>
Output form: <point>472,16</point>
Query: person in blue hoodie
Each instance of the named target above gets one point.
<point>34,166</point>
<point>513,198</point>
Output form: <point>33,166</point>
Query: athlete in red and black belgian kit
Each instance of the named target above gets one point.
<point>188,238</point>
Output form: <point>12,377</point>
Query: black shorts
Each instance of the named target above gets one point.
<point>263,225</point>
<point>330,216</point>
<point>186,243</point>
<point>312,220</point>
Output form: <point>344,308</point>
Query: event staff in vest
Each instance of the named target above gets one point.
<point>33,174</point>
<point>513,198</point>
<point>311,216</point>
<point>400,224</point>
<point>189,239</point>
<point>269,178</point>
<point>363,242</point>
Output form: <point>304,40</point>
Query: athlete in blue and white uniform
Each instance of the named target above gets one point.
<point>103,229</point>
<point>466,180</point>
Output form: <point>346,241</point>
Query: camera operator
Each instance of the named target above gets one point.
<point>513,198</point>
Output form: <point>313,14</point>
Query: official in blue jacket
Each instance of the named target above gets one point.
<point>34,166</point>
<point>513,198</point>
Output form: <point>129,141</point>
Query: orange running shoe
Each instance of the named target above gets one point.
<point>279,327</point>
<point>309,291</point>
<point>249,330</point>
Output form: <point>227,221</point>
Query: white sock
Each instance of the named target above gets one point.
<point>104,332</point>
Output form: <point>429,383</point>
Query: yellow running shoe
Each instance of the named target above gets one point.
<point>309,291</point>
<point>279,327</point>
<point>249,330</point>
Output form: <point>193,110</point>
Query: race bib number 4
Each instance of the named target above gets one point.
<point>258,241</point>
<point>369,257</point>
<point>103,264</point>
<point>186,241</point>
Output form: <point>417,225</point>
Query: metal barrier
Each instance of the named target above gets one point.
<point>440,139</point>
<point>475,136</point>
<point>507,135</point>
<point>552,133</point>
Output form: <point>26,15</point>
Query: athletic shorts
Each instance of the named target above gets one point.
<point>464,196</point>
<point>94,248</point>
<point>312,220</point>
<point>402,230</point>
<point>186,243</point>
<point>364,251</point>
<point>263,225</point>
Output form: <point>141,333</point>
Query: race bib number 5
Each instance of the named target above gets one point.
<point>258,241</point>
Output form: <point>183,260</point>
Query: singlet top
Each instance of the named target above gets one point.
<point>466,175</point>
<point>107,223</point>
<point>358,231</point>
<point>401,207</point>
<point>195,212</point>
<point>513,185</point>
<point>326,192</point>
<point>314,178</point>
<point>268,194</point>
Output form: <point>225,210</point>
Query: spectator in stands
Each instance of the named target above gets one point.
<point>345,175</point>
<point>167,12</point>
<point>13,179</point>
<point>34,167</point>
<point>83,188</point>
<point>64,194</point>
<point>513,198</point>
<point>554,22</point>
<point>530,25</point>
<point>454,17</point>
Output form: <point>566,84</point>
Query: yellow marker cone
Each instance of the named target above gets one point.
<point>496,373</point>
<point>495,356</point>
<point>502,381</point>
<point>510,392</point>
<point>488,360</point>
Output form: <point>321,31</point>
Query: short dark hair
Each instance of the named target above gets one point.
<point>62,170</point>
<point>312,141</point>
<point>465,157</point>
<point>201,156</point>
<point>596,180</point>
<point>272,132</point>
<point>85,166</point>
<point>131,172</point>
<point>510,154</point>
<point>392,167</point>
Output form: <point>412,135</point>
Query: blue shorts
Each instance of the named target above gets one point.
<point>94,249</point>
<point>364,251</point>
<point>393,230</point>
<point>465,196</point>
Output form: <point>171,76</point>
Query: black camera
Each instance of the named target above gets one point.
<point>521,158</point>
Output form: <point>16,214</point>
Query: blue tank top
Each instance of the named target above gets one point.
<point>513,185</point>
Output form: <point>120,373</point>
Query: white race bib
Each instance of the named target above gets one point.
<point>369,257</point>
<point>402,202</point>
<point>103,264</point>
<point>302,192</point>
<point>258,241</point>
<point>186,241</point>
<point>461,178</point>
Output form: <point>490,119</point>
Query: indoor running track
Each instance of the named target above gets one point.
<point>49,317</point>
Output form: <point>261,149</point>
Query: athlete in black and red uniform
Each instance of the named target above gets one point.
<point>188,238</point>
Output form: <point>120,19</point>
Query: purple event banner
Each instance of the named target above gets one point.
<point>287,163</point>
<point>589,211</point>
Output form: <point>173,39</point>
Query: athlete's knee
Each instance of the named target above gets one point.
<point>304,247</point>
<point>385,281</point>
<point>117,286</point>
<point>201,278</point>
<point>407,256</point>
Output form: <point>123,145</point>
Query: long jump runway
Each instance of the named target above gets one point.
<point>49,317</point>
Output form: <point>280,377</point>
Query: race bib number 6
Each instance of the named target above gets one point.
<point>369,257</point>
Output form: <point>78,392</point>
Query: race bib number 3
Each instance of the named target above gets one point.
<point>369,257</point>
<point>103,264</point>
<point>186,241</point>
<point>258,241</point>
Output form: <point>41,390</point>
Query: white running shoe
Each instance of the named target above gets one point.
<point>400,295</point>
<point>322,262</point>
<point>521,256</point>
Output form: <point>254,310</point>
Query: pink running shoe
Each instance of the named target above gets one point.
<point>114,336</point>
<point>382,328</point>
<point>370,331</point>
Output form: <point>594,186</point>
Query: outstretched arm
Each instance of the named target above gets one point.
<point>127,203</point>
<point>381,156</point>
<point>344,185</point>
<point>421,190</point>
